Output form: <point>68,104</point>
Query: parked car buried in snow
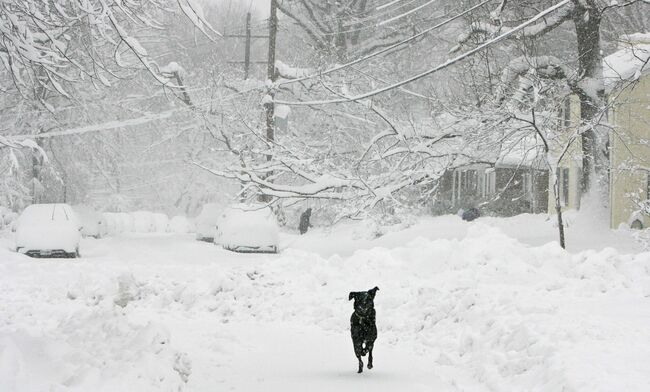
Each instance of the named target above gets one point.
<point>206,222</point>
<point>179,225</point>
<point>126,223</point>
<point>249,229</point>
<point>48,230</point>
<point>143,222</point>
<point>92,222</point>
<point>161,221</point>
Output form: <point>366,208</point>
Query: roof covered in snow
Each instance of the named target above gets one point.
<point>630,62</point>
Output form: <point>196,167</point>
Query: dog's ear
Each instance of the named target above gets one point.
<point>373,291</point>
<point>352,295</point>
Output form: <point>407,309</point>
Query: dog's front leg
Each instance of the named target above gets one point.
<point>360,364</point>
<point>369,347</point>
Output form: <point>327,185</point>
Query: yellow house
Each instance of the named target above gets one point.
<point>627,81</point>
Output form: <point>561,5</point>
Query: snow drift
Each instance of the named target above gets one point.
<point>485,312</point>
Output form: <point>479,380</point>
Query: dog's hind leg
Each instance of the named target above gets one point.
<point>360,364</point>
<point>369,347</point>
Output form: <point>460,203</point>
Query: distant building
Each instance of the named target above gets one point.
<point>515,183</point>
<point>627,83</point>
<point>627,80</point>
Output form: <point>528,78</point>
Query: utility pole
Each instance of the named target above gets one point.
<point>270,71</point>
<point>248,37</point>
<point>247,54</point>
<point>269,106</point>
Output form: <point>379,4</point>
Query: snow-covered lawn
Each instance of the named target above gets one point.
<point>491,305</point>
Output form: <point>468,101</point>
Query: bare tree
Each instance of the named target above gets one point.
<point>585,80</point>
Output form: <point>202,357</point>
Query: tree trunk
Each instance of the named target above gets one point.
<point>37,173</point>
<point>587,18</point>
<point>558,211</point>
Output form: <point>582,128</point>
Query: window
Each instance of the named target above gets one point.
<point>489,183</point>
<point>468,181</point>
<point>528,186</point>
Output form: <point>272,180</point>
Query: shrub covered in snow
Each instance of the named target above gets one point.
<point>7,217</point>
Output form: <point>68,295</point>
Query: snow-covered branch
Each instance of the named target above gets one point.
<point>492,28</point>
<point>45,46</point>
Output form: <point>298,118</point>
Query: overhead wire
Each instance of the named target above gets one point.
<point>387,49</point>
<point>442,66</point>
<point>222,100</point>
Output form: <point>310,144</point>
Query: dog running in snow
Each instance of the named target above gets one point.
<point>362,324</point>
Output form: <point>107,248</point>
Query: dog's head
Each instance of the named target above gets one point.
<point>364,301</point>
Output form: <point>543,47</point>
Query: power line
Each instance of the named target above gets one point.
<point>103,103</point>
<point>115,124</point>
<point>371,18</point>
<point>386,49</point>
<point>432,70</point>
<point>381,7</point>
<point>409,12</point>
<point>357,29</point>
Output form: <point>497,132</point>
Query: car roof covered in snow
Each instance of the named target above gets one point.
<point>45,212</point>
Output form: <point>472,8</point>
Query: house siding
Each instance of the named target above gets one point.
<point>509,196</point>
<point>629,152</point>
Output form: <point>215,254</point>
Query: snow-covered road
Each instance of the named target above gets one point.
<point>476,311</point>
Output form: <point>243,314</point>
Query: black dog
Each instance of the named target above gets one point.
<point>362,325</point>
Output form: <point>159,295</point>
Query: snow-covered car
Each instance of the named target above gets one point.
<point>143,222</point>
<point>113,226</point>
<point>250,229</point>
<point>126,222</point>
<point>206,222</point>
<point>48,230</point>
<point>92,222</point>
<point>161,221</point>
<point>179,224</point>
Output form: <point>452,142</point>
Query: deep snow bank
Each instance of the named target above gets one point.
<point>486,311</point>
